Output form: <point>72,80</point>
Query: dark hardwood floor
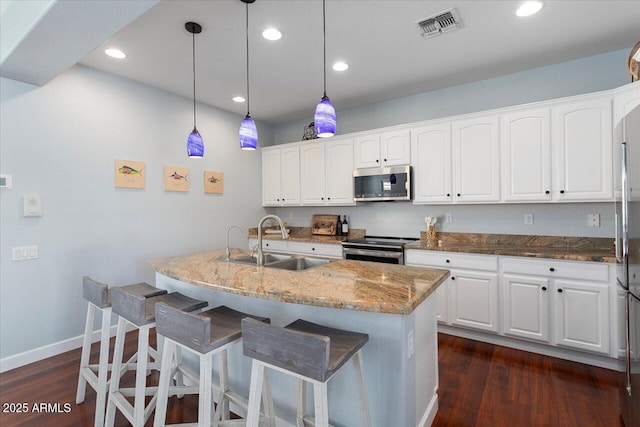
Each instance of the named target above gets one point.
<point>480,385</point>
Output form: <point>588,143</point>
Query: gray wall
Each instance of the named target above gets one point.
<point>592,74</point>
<point>60,141</point>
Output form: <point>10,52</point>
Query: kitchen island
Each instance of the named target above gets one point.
<point>391,303</point>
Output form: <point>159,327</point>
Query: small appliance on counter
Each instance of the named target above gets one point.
<point>389,250</point>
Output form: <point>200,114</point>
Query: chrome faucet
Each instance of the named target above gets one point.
<point>282,228</point>
<point>228,247</point>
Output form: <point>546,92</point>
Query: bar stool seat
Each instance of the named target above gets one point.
<point>139,312</point>
<point>313,353</point>
<point>206,333</point>
<point>99,298</point>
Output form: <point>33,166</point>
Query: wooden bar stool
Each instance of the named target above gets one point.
<point>311,353</point>
<point>139,312</point>
<point>206,334</point>
<point>99,298</point>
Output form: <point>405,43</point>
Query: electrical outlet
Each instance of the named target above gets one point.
<point>593,220</point>
<point>448,217</point>
<point>528,219</point>
<point>410,344</point>
<point>290,216</point>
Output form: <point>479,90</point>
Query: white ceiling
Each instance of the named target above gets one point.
<point>379,39</point>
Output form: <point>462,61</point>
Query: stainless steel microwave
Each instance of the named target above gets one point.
<point>382,184</point>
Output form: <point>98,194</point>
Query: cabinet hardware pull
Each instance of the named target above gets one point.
<point>377,161</point>
<point>447,261</point>
<point>321,198</point>
<point>448,194</point>
<point>313,249</point>
<point>453,278</point>
<point>328,198</point>
<point>552,269</point>
<point>547,192</point>
<point>458,194</point>
<point>385,160</point>
<point>561,191</point>
<point>544,288</point>
<point>560,290</point>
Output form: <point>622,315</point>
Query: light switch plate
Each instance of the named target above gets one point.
<point>528,219</point>
<point>593,220</point>
<point>448,217</point>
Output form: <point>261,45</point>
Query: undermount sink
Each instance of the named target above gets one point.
<point>297,264</point>
<point>268,258</point>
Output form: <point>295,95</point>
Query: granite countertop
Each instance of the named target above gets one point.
<point>303,234</point>
<point>344,284</point>
<point>553,247</point>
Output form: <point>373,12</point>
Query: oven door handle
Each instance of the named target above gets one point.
<point>379,254</point>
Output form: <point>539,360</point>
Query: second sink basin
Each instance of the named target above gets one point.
<point>297,264</point>
<point>268,258</point>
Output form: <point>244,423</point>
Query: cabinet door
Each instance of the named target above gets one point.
<point>476,164</point>
<point>431,159</point>
<point>339,171</point>
<point>525,307</point>
<point>582,138</point>
<point>526,155</point>
<point>474,300</point>
<point>395,148</point>
<point>442,308</point>
<point>271,178</point>
<point>312,179</point>
<point>367,151</point>
<point>582,315</point>
<point>290,176</point>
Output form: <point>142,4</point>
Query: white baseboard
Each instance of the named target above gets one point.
<point>41,353</point>
<point>430,414</point>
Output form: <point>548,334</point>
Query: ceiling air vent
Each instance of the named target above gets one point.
<point>438,24</point>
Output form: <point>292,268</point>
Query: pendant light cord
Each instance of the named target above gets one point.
<point>247,34</point>
<point>194,79</point>
<point>324,46</point>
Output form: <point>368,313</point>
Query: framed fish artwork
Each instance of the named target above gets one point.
<point>129,174</point>
<point>176,178</point>
<point>213,182</point>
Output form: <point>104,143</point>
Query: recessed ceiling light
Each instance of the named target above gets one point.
<point>340,66</point>
<point>272,34</point>
<point>115,53</point>
<point>238,99</point>
<point>529,8</point>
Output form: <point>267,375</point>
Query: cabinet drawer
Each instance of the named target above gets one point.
<point>270,245</point>
<point>553,268</point>
<point>319,249</point>
<point>452,260</point>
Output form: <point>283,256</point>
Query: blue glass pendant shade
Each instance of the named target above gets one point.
<point>325,118</point>
<point>195,144</point>
<point>248,134</point>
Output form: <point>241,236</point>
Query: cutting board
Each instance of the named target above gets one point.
<point>324,225</point>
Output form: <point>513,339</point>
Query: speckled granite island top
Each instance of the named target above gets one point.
<point>345,284</point>
<point>552,247</point>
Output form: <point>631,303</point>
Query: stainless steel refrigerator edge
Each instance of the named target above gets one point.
<point>628,268</point>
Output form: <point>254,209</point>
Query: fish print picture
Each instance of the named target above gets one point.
<point>129,174</point>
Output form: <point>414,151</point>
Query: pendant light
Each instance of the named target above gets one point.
<point>195,144</point>
<point>325,117</point>
<point>248,134</point>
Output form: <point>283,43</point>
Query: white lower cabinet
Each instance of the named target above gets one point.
<point>474,299</point>
<point>525,307</point>
<point>566,304</point>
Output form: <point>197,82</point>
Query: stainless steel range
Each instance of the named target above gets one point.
<point>389,250</point>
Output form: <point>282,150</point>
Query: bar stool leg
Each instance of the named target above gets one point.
<point>205,397</point>
<point>163,385</point>
<point>86,352</point>
<point>320,404</point>
<point>103,367</point>
<point>302,403</point>
<point>364,401</point>
<point>115,379</point>
<point>267,400</point>
<point>179,377</point>
<point>255,392</point>
<point>141,377</point>
<point>224,385</point>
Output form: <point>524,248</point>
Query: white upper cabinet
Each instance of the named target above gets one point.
<point>526,155</point>
<point>383,149</point>
<point>367,151</point>
<point>582,139</point>
<point>431,160</point>
<point>339,171</point>
<point>281,176</point>
<point>326,172</point>
<point>476,160</point>
<point>395,148</point>
<point>312,177</point>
